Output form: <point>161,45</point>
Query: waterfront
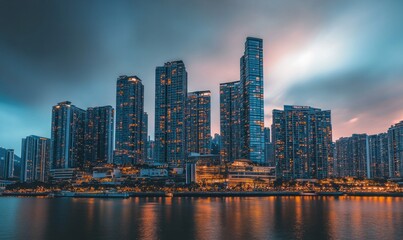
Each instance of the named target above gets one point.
<point>202,218</point>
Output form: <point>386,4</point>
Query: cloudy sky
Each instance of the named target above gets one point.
<point>345,56</point>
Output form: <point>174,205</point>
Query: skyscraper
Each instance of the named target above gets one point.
<point>35,159</point>
<point>170,104</point>
<point>145,136</point>
<point>230,121</point>
<point>360,155</point>
<point>150,150</point>
<point>302,138</point>
<point>353,156</point>
<point>129,120</point>
<point>252,104</point>
<point>99,131</point>
<point>215,144</point>
<point>341,148</point>
<point>198,122</point>
<point>9,164</point>
<point>395,142</point>
<point>378,155</point>
<point>67,144</point>
<point>268,148</point>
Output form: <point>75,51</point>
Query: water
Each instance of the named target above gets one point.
<point>202,218</point>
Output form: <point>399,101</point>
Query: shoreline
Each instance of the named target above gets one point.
<point>201,194</point>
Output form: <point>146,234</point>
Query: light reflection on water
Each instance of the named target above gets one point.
<point>202,218</point>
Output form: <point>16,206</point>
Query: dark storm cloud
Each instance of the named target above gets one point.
<point>360,90</point>
<point>52,51</point>
<point>46,45</point>
<point>60,44</point>
<point>371,100</point>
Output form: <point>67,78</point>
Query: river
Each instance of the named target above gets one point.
<point>202,218</point>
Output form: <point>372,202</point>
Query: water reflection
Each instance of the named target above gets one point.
<point>202,218</point>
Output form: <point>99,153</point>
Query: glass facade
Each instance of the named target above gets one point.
<point>252,103</point>
<point>268,148</point>
<point>130,142</point>
<point>170,104</point>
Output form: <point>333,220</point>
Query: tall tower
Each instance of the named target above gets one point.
<point>145,135</point>
<point>302,138</point>
<point>378,155</point>
<point>99,130</point>
<point>252,104</point>
<point>129,120</point>
<point>67,145</point>
<point>9,164</point>
<point>170,104</point>
<point>395,142</point>
<point>35,159</point>
<point>230,121</point>
<point>268,148</point>
<point>198,122</point>
<point>353,155</point>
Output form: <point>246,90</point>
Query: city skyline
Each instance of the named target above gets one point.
<point>289,58</point>
<point>201,119</point>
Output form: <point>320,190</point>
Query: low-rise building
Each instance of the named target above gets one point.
<point>62,174</point>
<point>153,172</point>
<point>244,171</point>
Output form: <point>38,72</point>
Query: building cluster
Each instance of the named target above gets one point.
<point>298,145</point>
<point>242,109</point>
<point>370,156</point>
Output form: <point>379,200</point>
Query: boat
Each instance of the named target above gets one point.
<point>308,193</point>
<point>169,194</point>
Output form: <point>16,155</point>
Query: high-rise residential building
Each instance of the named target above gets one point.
<point>353,156</point>
<point>170,105</point>
<point>145,136</point>
<point>129,120</point>
<point>360,155</point>
<point>198,122</point>
<point>342,166</point>
<point>268,148</point>
<point>332,167</point>
<point>150,150</point>
<point>378,156</point>
<point>67,144</point>
<point>302,138</point>
<point>252,103</point>
<point>8,171</point>
<point>35,159</point>
<point>230,121</point>
<point>215,144</point>
<point>395,142</point>
<point>99,131</point>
